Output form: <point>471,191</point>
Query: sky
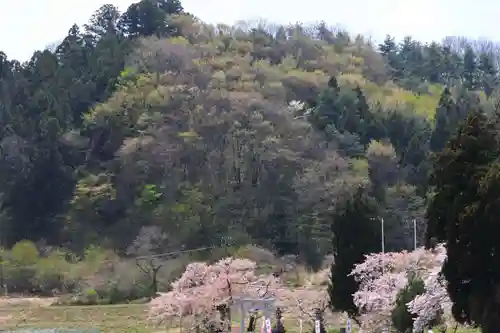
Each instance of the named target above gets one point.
<point>29,25</point>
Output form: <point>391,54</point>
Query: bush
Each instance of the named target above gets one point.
<point>401,318</point>
<point>257,254</point>
<point>100,277</point>
<point>19,279</point>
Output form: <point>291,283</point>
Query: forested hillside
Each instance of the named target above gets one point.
<point>152,127</point>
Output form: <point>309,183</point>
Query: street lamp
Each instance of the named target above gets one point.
<point>414,234</point>
<point>382,240</point>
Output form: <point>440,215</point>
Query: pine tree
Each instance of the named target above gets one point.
<point>355,233</point>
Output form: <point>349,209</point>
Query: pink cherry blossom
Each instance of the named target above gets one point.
<point>202,287</point>
<point>383,275</point>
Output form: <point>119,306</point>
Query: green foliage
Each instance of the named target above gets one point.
<point>461,214</point>
<point>91,296</point>
<point>151,120</point>
<point>24,253</point>
<point>402,319</point>
<point>355,230</point>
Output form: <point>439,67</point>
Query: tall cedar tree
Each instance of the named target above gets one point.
<point>327,110</point>
<point>470,68</point>
<point>463,213</point>
<point>443,117</point>
<point>356,232</point>
<point>488,73</point>
<point>365,128</point>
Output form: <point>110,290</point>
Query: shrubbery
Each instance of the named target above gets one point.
<point>97,277</point>
<point>402,319</point>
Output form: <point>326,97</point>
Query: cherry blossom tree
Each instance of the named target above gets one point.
<point>309,301</point>
<point>383,275</point>
<point>204,289</point>
<point>432,303</point>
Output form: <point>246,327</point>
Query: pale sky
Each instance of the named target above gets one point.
<point>27,25</point>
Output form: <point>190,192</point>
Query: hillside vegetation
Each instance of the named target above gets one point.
<point>150,131</point>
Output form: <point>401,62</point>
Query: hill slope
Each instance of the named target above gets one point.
<point>169,134</point>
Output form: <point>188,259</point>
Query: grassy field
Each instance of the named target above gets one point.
<point>107,318</point>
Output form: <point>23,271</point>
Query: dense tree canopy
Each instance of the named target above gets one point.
<point>248,133</point>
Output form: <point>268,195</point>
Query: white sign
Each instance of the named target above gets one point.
<point>317,326</point>
<point>268,325</point>
<point>256,305</point>
<point>349,326</point>
<point>385,330</point>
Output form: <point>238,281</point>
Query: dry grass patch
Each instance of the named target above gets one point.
<point>108,318</point>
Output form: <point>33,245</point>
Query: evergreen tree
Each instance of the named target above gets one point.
<point>482,254</point>
<point>388,46</point>
<point>444,121</point>
<point>410,54</point>
<point>415,160</point>
<point>434,63</point>
<point>365,120</point>
<point>488,73</point>
<point>103,22</point>
<point>170,7</point>
<point>470,68</point>
<point>389,49</point>
<point>466,101</point>
<point>355,233</point>
<point>328,109</point>
<point>149,17</point>
<point>452,64</point>
<point>463,214</point>
<point>402,319</point>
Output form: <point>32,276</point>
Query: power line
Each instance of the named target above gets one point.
<point>167,254</point>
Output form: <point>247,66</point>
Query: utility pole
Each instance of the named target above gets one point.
<point>382,240</point>
<point>415,234</point>
<point>383,237</point>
